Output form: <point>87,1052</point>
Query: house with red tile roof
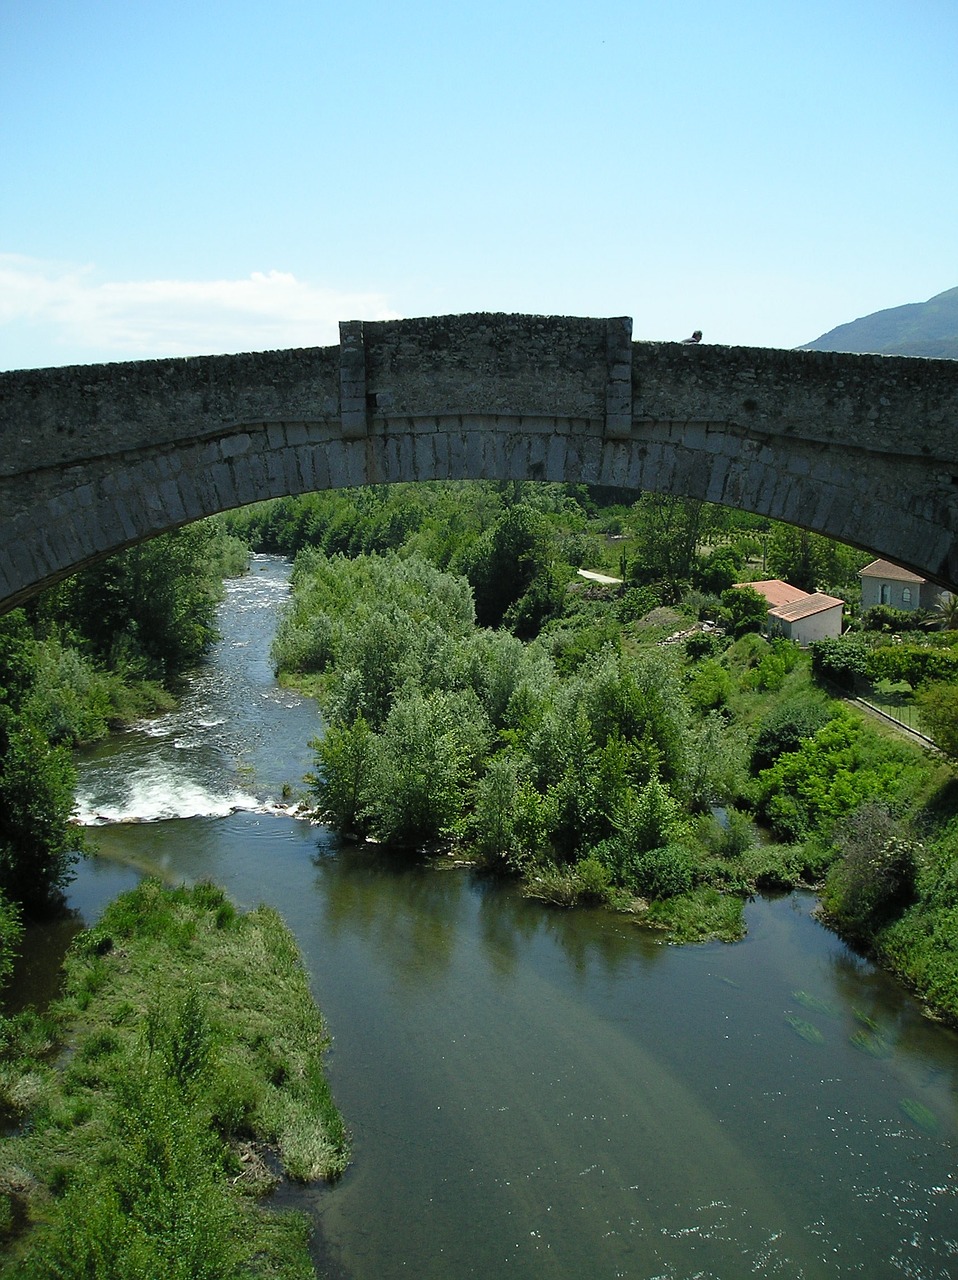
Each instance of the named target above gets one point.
<point>776,592</point>
<point>798,615</point>
<point>814,617</point>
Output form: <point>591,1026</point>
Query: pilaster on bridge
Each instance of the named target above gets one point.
<point>861,448</point>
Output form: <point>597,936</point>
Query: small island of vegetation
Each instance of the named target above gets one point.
<point>194,1081</point>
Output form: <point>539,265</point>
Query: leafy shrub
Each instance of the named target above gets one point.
<point>493,819</point>
<point>570,647</point>
<point>938,709</point>
<point>787,726</point>
<point>709,686</point>
<point>830,775</point>
<point>699,916</point>
<point>876,877</point>
<point>717,572</point>
<point>587,880</point>
<point>661,873</point>
<point>11,933</point>
<point>744,609</point>
<point>769,675</point>
<point>843,660</point>
<point>344,766</point>
<point>636,602</point>
<point>882,617</point>
<point>703,644</point>
<point>738,834</point>
<point>715,763</point>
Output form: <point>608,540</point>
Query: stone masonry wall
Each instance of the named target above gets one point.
<point>488,364</point>
<point>862,448</point>
<point>51,417</point>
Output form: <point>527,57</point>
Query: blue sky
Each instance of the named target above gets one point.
<point>181,178</point>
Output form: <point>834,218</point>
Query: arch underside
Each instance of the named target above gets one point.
<point>895,507</point>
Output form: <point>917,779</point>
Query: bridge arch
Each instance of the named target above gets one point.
<point>860,448</point>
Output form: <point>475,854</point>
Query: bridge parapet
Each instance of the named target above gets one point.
<point>862,448</point>
<point>57,417</point>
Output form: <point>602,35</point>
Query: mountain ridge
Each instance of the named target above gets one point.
<point>915,329</point>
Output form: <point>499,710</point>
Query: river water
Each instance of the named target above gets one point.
<point>538,1093</point>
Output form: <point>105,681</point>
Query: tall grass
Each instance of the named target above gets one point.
<point>191,1046</point>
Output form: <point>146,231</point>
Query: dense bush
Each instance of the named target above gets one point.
<point>148,612</point>
<point>938,709</point>
<point>875,878</point>
<point>709,686</point>
<point>882,617</point>
<point>829,775</point>
<point>743,610</point>
<point>868,657</point>
<point>513,574</point>
<point>842,660</point>
<point>38,844</point>
<point>718,571</point>
<point>787,726</point>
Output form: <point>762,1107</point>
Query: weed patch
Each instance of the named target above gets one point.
<point>135,1144</point>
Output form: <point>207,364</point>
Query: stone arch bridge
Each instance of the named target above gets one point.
<point>96,458</point>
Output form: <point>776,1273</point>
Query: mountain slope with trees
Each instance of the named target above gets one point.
<point>916,329</point>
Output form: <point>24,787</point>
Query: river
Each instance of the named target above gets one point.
<point>532,1092</point>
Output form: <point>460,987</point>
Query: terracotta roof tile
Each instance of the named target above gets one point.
<point>806,608</point>
<point>775,591</point>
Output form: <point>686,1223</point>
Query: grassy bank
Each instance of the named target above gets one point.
<point>158,1101</point>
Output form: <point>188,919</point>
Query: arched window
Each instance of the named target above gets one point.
<point>906,595</point>
<point>885,593</point>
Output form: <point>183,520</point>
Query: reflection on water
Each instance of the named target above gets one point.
<point>545,1093</point>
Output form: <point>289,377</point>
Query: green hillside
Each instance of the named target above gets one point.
<point>917,329</point>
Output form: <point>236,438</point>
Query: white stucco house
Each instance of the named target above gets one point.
<point>814,617</point>
<point>798,615</point>
<point>887,583</point>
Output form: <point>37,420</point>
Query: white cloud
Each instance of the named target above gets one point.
<point>67,308</point>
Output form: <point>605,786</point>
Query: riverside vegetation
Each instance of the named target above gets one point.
<point>195,1051</point>
<point>597,742</point>
<point>182,1068</point>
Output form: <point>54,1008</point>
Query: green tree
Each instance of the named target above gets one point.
<point>744,609</point>
<point>38,843</point>
<point>11,933</point>
<point>718,571</point>
<point>508,561</point>
<point>875,879</point>
<point>344,759</point>
<point>150,610</point>
<point>666,531</point>
<point>812,562</point>
<point>494,814</point>
<point>937,704</point>
<point>420,770</point>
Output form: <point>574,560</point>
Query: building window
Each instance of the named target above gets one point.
<point>885,593</point>
<point>906,595</point>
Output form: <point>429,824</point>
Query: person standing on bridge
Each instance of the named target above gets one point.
<point>696,337</point>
